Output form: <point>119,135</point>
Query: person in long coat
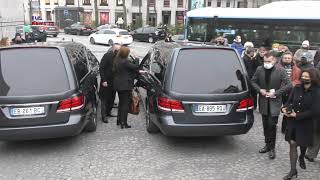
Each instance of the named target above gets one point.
<point>271,82</point>
<point>298,109</point>
<point>124,75</point>
<point>106,91</point>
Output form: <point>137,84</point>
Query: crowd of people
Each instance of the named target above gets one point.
<point>287,83</point>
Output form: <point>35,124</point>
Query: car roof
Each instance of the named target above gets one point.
<point>55,44</point>
<point>115,30</point>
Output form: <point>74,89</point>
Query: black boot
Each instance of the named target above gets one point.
<point>302,163</point>
<point>265,149</point>
<point>272,154</point>
<point>291,174</point>
<point>309,158</point>
<point>105,119</point>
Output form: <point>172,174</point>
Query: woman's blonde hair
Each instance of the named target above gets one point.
<point>3,42</point>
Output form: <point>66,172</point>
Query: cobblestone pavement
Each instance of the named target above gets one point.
<point>112,153</point>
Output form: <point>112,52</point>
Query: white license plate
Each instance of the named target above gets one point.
<point>210,108</point>
<point>28,111</point>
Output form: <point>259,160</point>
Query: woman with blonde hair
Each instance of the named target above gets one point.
<point>4,42</point>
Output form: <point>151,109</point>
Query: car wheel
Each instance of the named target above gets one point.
<point>92,41</point>
<point>66,32</point>
<point>150,39</point>
<point>55,35</point>
<point>92,124</point>
<point>78,33</point>
<point>150,126</point>
<point>110,42</point>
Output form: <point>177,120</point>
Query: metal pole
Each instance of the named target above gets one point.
<point>234,3</point>
<point>79,10</point>
<point>39,9</point>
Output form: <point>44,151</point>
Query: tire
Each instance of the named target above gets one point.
<point>150,126</point>
<point>55,35</point>
<point>92,124</point>
<point>78,33</point>
<point>66,32</point>
<point>92,41</point>
<point>150,40</point>
<point>110,43</point>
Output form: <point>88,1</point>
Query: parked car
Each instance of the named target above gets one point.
<point>149,34</point>
<point>52,30</point>
<point>194,90</point>
<point>111,36</point>
<point>38,33</point>
<point>49,93</point>
<point>78,29</point>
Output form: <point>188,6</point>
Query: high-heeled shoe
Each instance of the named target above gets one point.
<point>291,175</point>
<point>302,163</point>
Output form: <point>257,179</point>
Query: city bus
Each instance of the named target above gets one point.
<point>262,26</point>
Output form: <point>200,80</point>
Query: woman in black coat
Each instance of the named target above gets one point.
<point>124,74</point>
<point>298,109</point>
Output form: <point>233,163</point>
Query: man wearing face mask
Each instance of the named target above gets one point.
<point>106,92</point>
<point>237,45</point>
<point>271,82</point>
<point>305,61</point>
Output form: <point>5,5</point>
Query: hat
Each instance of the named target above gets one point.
<point>248,44</point>
<point>307,55</point>
<point>305,43</point>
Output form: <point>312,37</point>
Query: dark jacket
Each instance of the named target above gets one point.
<point>251,65</point>
<point>106,65</point>
<point>278,81</point>
<point>316,58</point>
<point>259,60</point>
<point>300,127</point>
<point>124,74</point>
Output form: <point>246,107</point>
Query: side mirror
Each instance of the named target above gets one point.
<point>155,67</point>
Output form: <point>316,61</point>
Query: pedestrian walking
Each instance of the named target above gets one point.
<point>106,92</point>
<point>313,151</point>
<point>124,74</point>
<point>298,109</point>
<point>237,45</point>
<point>293,73</point>
<point>271,82</point>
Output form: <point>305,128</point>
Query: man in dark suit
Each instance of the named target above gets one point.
<point>271,82</point>
<point>106,92</point>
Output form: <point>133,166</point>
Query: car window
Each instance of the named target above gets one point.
<point>78,58</point>
<point>124,33</point>
<point>208,71</point>
<point>100,32</point>
<point>139,30</point>
<point>41,71</point>
<point>109,32</point>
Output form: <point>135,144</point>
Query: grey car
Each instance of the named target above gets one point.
<point>195,90</point>
<point>47,91</point>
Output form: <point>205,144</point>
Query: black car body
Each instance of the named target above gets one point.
<point>195,90</point>
<point>38,33</point>
<point>149,34</point>
<point>47,91</point>
<point>78,29</point>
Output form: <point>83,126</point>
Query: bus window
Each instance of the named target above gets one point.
<point>198,30</point>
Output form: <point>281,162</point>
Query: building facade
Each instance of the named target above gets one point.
<point>154,12</point>
<point>12,14</point>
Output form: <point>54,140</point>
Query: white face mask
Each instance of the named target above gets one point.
<point>268,65</point>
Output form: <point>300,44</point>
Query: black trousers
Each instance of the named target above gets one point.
<point>270,130</point>
<point>107,100</point>
<point>123,108</point>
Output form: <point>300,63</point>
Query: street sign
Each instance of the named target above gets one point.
<point>66,12</point>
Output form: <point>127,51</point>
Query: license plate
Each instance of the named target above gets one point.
<point>28,111</point>
<point>210,108</point>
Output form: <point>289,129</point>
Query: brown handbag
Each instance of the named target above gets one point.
<point>134,105</point>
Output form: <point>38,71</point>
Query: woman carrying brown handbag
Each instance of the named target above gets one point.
<point>124,74</point>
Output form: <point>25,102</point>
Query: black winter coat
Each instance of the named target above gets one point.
<point>124,74</point>
<point>251,65</point>
<point>301,127</point>
<point>106,65</point>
